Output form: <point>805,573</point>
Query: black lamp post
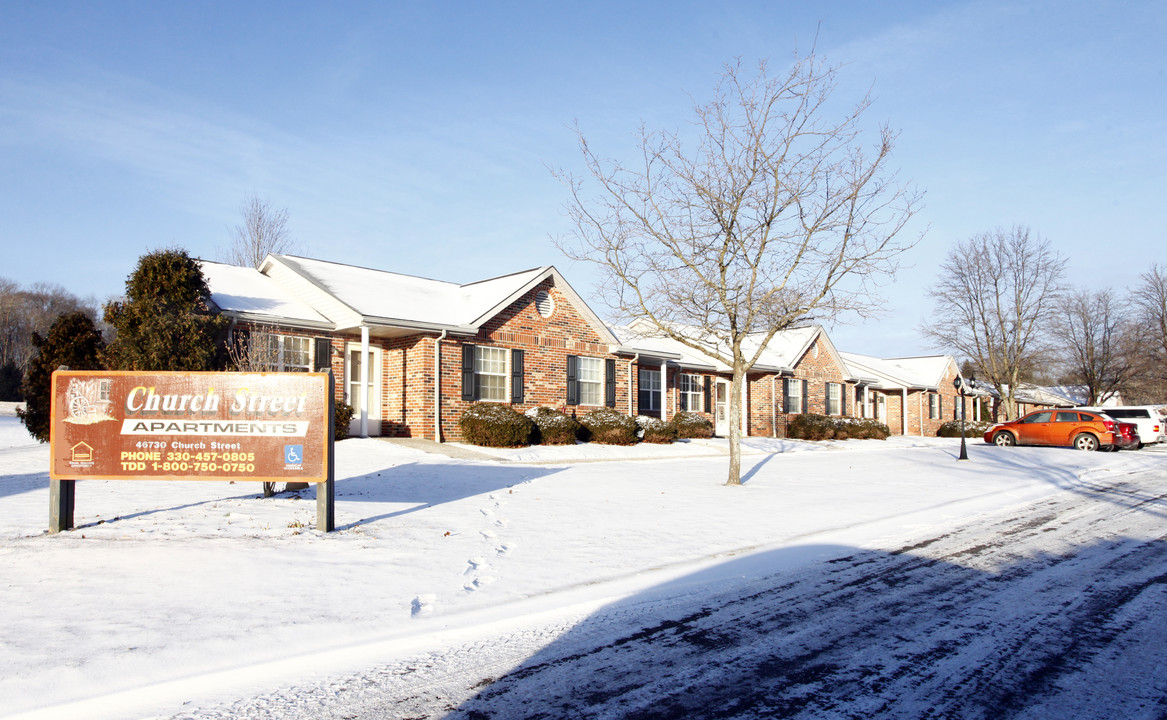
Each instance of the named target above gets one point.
<point>958,383</point>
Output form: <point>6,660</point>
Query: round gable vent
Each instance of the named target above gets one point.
<point>544,304</point>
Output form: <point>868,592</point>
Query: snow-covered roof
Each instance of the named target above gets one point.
<point>781,354</point>
<point>248,294</point>
<point>318,293</point>
<point>925,372</point>
<point>389,296</point>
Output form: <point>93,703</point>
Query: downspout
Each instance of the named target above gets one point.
<point>633,361</point>
<point>365,372</point>
<point>438,386</point>
<point>904,412</point>
<point>920,412</point>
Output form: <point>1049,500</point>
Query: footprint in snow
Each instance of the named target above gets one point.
<point>423,604</point>
<point>478,582</point>
<point>474,564</point>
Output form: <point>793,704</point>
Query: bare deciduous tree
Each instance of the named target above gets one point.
<point>264,230</point>
<point>24,313</point>
<point>1150,297</point>
<point>993,301</point>
<point>1100,345</point>
<point>776,216</point>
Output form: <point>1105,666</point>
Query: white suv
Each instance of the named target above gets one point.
<point>1152,428</point>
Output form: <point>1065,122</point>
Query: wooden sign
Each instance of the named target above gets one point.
<point>263,427</point>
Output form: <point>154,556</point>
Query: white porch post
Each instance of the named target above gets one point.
<point>631,384</point>
<point>664,391</point>
<point>438,386</point>
<point>365,370</point>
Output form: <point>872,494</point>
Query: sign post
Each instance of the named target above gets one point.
<point>261,427</point>
<point>325,491</point>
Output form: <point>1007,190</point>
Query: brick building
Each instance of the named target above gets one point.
<point>411,354</point>
<point>912,396</point>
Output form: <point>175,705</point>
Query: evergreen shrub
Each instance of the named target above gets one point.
<point>494,425</point>
<point>342,416</point>
<point>810,426</point>
<point>553,427</point>
<point>972,428</point>
<point>72,340</point>
<point>692,425</point>
<point>655,430</point>
<point>605,425</point>
<point>866,429</point>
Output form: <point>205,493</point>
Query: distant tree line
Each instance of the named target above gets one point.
<point>166,322</point>
<point>1002,302</point>
<point>26,313</point>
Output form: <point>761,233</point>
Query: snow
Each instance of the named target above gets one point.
<point>202,592</point>
<point>248,291</point>
<point>389,295</point>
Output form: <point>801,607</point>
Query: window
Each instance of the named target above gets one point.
<point>295,354</point>
<point>691,391</point>
<point>834,399</point>
<point>282,353</point>
<point>933,406</point>
<point>490,373</point>
<point>1041,417</point>
<point>1067,417</point>
<point>591,381</point>
<point>792,395</point>
<point>648,392</point>
<point>484,374</point>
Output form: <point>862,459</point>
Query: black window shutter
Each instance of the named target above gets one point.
<point>468,392</point>
<point>843,396</point>
<point>323,354</point>
<point>610,382</point>
<point>572,380</point>
<point>516,376</point>
<point>939,406</point>
<point>708,381</point>
<point>805,396</point>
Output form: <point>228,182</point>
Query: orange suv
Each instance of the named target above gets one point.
<point>1083,430</point>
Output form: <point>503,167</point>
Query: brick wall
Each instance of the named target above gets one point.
<point>545,342</point>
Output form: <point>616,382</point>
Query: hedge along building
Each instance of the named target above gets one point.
<point>411,354</point>
<point>799,371</point>
<point>912,395</point>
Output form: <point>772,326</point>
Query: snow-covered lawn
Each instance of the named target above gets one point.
<point>169,592</point>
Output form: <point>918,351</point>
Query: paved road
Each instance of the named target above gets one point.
<point>1051,610</point>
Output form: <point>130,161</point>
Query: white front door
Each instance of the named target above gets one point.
<point>881,409</point>
<point>353,367</point>
<point>721,409</point>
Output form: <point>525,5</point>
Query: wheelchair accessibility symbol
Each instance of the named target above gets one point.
<point>293,454</point>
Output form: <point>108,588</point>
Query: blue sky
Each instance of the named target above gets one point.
<point>419,137</point>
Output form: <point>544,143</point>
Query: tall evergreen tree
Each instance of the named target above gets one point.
<point>72,340</point>
<point>165,322</point>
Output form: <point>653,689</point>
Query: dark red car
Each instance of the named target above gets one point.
<point>1074,428</point>
<point>1128,437</point>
